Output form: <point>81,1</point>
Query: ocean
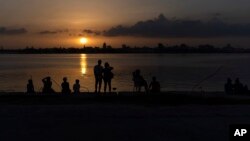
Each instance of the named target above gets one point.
<point>175,72</point>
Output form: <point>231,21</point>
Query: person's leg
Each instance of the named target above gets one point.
<point>96,83</point>
<point>146,87</point>
<point>136,87</point>
<point>100,85</point>
<point>139,88</point>
<point>109,83</point>
<point>105,86</point>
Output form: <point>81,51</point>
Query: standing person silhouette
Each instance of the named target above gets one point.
<point>98,72</point>
<point>107,76</point>
<point>30,87</point>
<point>65,87</point>
<point>47,85</point>
<point>77,87</point>
<point>136,79</point>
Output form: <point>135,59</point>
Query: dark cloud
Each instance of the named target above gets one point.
<point>91,32</point>
<point>46,32</point>
<point>16,31</point>
<point>163,27</point>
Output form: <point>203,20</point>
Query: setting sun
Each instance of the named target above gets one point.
<point>83,40</point>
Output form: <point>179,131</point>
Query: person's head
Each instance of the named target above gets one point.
<point>99,62</point>
<point>65,79</point>
<point>229,80</point>
<point>48,78</point>
<point>77,81</point>
<point>106,65</point>
<point>30,81</point>
<point>154,78</point>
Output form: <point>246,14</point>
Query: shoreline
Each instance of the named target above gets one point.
<point>159,99</point>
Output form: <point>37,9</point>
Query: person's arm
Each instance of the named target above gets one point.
<point>150,85</point>
<point>44,79</point>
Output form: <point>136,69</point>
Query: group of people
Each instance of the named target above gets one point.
<point>236,88</point>
<point>47,86</point>
<point>102,74</point>
<point>140,82</point>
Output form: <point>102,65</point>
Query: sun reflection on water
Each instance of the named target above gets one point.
<point>83,64</point>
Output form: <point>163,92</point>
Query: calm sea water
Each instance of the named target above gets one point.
<point>174,71</point>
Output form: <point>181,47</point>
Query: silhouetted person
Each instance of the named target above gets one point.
<point>136,79</point>
<point>47,85</point>
<point>98,72</point>
<point>245,89</point>
<point>139,81</point>
<point>77,87</point>
<point>65,87</point>
<point>155,86</point>
<point>229,87</point>
<point>238,87</point>
<point>107,76</point>
<point>30,87</point>
<point>144,84</point>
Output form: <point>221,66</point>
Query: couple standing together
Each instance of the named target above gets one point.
<point>104,74</point>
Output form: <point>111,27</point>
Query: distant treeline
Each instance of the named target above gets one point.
<point>183,48</point>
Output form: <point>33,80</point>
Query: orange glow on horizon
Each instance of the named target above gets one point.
<point>83,40</point>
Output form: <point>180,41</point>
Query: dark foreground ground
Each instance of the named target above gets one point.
<point>168,116</point>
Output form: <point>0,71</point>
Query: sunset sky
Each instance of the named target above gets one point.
<point>48,23</point>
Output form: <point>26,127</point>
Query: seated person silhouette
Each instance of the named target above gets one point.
<point>65,87</point>
<point>139,81</point>
<point>238,87</point>
<point>154,86</point>
<point>246,91</point>
<point>77,87</point>
<point>30,87</point>
<point>229,87</point>
<point>47,86</point>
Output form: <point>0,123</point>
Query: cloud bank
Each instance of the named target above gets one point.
<point>48,32</point>
<point>15,31</point>
<point>161,27</point>
<point>91,32</point>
